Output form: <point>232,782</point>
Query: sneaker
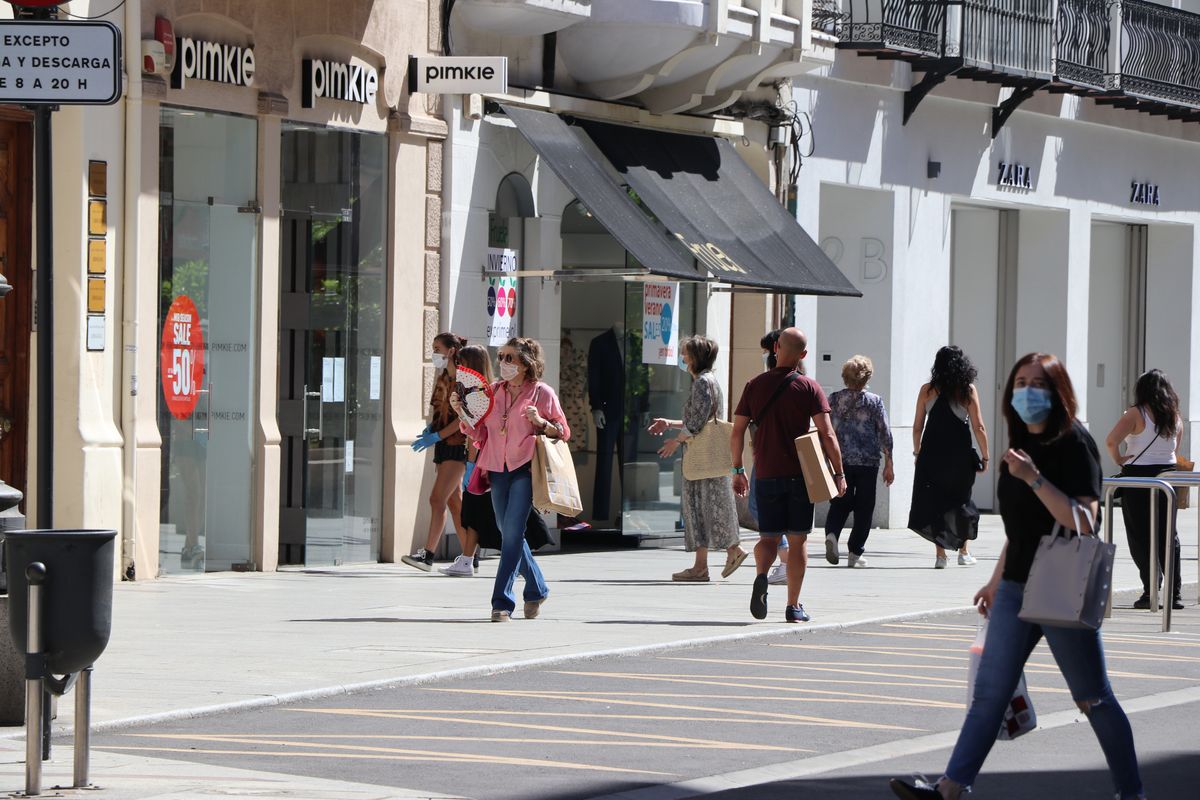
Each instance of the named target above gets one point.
<point>1142,603</point>
<point>758,598</point>
<point>475,560</point>
<point>796,613</point>
<point>422,560</point>
<point>966,559</point>
<point>855,560</point>
<point>533,608</point>
<point>939,562</point>
<point>501,616</point>
<point>831,551</point>
<point>777,575</point>
<point>1177,604</point>
<point>918,791</point>
<point>461,568</point>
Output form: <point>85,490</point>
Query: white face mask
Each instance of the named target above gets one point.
<point>508,371</point>
<point>439,361</point>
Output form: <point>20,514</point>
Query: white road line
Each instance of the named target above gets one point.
<point>807,767</point>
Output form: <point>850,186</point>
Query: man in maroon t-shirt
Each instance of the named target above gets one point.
<point>782,402</point>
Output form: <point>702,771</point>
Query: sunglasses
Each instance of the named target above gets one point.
<point>507,358</point>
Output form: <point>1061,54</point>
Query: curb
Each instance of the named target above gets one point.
<point>337,690</point>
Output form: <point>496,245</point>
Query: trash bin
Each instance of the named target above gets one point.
<point>77,607</point>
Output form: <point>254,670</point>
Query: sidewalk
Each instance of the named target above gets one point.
<point>185,646</point>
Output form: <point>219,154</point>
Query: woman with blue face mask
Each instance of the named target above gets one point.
<point>449,450</point>
<point>709,511</point>
<point>948,413</point>
<point>1052,464</point>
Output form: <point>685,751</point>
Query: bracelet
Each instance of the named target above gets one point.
<point>738,470</point>
<point>1037,482</point>
<point>837,475</point>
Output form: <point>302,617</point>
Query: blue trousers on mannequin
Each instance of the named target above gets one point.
<point>1080,657</point>
<point>512,498</point>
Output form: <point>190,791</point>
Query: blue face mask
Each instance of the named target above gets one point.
<point>1033,405</point>
<point>683,366</point>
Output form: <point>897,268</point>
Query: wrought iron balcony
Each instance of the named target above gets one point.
<point>1160,54</point>
<point>906,28</point>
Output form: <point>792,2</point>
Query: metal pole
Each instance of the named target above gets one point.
<point>35,573</point>
<point>1154,567</point>
<point>83,727</point>
<point>45,318</point>
<point>1108,536</point>
<point>1169,568</point>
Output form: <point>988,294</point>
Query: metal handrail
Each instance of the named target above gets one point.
<point>1181,480</point>
<point>1111,485</point>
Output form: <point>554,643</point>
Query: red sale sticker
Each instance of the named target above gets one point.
<point>182,357</point>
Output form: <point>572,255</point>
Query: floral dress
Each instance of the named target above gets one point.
<point>709,511</point>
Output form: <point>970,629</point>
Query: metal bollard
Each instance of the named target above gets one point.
<point>83,727</point>
<point>35,574</point>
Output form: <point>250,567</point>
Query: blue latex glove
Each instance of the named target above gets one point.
<point>426,440</point>
<point>467,474</point>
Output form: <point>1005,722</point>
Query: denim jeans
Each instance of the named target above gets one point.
<point>512,498</point>
<point>1080,657</point>
<point>860,499</point>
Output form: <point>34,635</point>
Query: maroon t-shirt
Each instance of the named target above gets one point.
<point>788,417</point>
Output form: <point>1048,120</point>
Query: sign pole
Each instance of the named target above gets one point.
<point>45,317</point>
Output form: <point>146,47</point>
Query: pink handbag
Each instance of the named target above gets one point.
<point>479,482</point>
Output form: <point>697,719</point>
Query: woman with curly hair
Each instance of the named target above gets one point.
<point>1151,430</point>
<point>947,414</point>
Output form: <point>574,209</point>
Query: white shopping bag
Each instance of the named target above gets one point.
<point>1019,717</point>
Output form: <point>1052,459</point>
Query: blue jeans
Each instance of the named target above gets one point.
<point>1080,657</point>
<point>512,498</point>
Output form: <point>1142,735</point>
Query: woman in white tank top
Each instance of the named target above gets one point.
<point>1151,431</point>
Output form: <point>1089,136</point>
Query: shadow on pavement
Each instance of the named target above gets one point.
<point>468,621</point>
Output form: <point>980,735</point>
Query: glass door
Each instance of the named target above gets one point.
<point>207,309</point>
<point>332,347</point>
<point>652,486</point>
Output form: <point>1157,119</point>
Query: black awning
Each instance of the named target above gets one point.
<point>702,190</point>
<point>586,174</point>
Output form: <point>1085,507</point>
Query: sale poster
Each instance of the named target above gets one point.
<point>501,310</point>
<point>660,323</point>
<point>182,357</point>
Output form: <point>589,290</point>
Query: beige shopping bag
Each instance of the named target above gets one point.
<point>555,487</point>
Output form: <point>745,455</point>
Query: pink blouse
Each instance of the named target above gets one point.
<point>506,438</point>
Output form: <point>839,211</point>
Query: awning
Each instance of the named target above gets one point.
<point>702,190</point>
<point>585,173</point>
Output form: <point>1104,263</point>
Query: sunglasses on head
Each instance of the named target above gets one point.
<point>507,358</point>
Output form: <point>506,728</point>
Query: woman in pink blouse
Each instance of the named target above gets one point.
<point>523,408</point>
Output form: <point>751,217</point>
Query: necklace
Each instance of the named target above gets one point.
<point>508,402</point>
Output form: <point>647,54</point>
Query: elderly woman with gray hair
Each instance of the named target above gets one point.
<point>861,422</point>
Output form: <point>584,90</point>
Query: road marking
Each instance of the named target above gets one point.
<point>384,714</point>
<point>818,721</point>
<point>817,765</point>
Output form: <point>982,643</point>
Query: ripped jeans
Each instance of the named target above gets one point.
<point>1080,657</point>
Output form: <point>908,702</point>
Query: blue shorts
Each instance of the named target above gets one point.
<point>783,506</point>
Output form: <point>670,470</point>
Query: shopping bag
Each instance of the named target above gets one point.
<point>1068,584</point>
<point>1183,495</point>
<point>707,454</point>
<point>1019,716</point>
<point>555,487</point>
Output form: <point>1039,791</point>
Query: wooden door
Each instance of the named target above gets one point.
<point>16,309</point>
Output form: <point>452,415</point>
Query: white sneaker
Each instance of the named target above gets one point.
<point>461,568</point>
<point>831,548</point>
<point>855,560</point>
<point>778,574</point>
<point>965,559</point>
<point>939,562</point>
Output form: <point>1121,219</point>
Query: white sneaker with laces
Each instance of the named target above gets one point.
<point>461,568</point>
<point>939,562</point>
<point>777,575</point>
<point>965,559</point>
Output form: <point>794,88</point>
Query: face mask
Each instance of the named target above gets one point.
<point>1032,404</point>
<point>683,366</point>
<point>439,361</point>
<point>508,371</point>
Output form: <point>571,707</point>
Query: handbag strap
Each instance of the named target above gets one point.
<point>1076,511</point>
<point>762,412</point>
<point>1131,461</point>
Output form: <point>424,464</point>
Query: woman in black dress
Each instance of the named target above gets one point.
<point>947,414</point>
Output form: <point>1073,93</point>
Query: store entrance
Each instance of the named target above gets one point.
<point>332,287</point>
<point>16,186</point>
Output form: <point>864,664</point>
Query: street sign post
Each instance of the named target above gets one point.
<point>60,63</point>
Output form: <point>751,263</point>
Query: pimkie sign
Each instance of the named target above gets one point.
<point>458,75</point>
<point>351,83</point>
<point>212,61</point>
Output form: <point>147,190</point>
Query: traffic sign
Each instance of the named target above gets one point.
<point>60,63</point>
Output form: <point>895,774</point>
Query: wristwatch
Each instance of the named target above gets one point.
<point>837,475</point>
<point>738,470</point>
<point>1037,482</point>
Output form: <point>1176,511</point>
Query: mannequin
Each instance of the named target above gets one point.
<point>606,393</point>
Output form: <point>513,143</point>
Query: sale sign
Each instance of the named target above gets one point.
<point>182,357</point>
<point>501,310</point>
<point>660,323</point>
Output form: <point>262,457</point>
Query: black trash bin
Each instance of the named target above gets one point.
<point>77,594</point>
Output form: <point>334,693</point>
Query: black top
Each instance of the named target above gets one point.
<point>1072,464</point>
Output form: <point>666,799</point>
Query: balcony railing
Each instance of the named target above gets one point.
<point>1160,53</point>
<point>1137,50</point>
